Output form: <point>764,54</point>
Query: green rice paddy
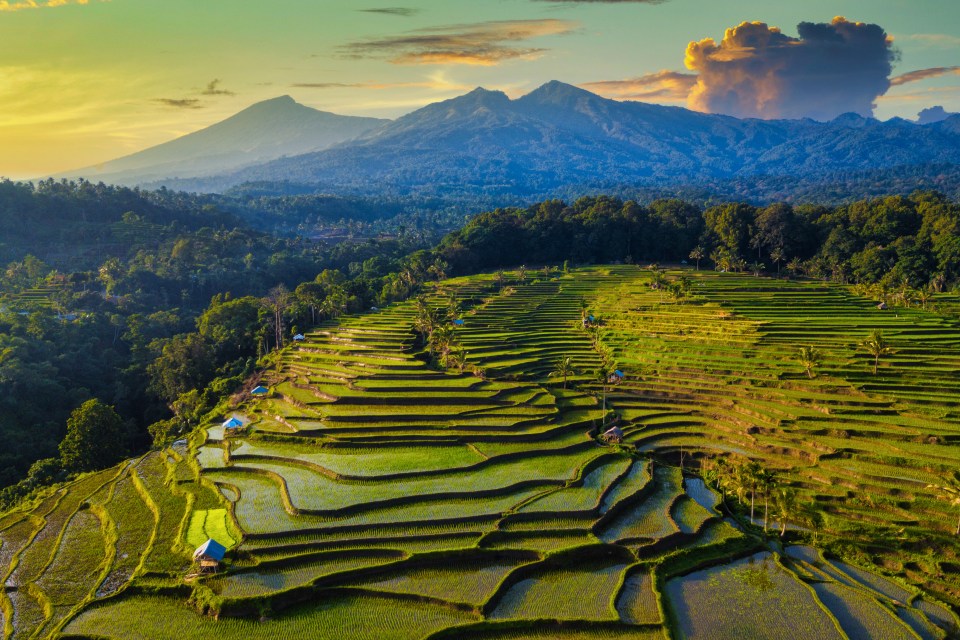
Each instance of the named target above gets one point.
<point>376,495</point>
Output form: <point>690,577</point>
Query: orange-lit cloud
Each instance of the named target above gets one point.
<point>923,74</point>
<point>757,71</point>
<point>663,86</point>
<point>19,5</point>
<point>180,103</point>
<point>485,44</point>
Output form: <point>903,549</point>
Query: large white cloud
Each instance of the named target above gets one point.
<point>757,71</point>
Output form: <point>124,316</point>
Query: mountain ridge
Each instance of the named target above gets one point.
<point>559,135</point>
<point>261,132</point>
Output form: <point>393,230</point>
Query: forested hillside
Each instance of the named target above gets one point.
<point>178,314</point>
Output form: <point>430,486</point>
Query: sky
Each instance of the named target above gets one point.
<point>86,81</point>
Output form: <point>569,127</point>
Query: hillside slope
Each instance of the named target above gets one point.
<point>559,136</point>
<point>262,132</point>
<point>374,496</point>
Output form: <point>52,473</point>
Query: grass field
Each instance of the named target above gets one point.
<point>404,500</point>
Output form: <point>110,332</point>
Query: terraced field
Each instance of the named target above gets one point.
<point>373,495</point>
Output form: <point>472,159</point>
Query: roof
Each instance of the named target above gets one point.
<point>458,322</point>
<point>618,373</point>
<point>615,431</point>
<point>260,389</point>
<point>299,336</point>
<point>233,423</point>
<point>211,549</point>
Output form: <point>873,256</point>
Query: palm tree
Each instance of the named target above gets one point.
<point>601,374</point>
<point>697,255</point>
<point>500,277</point>
<point>756,268</point>
<point>458,359</point>
<point>950,492</point>
<point>766,481</point>
<point>752,472</point>
<point>785,506</point>
<point>809,358</point>
<point>563,368</point>
<point>795,266</point>
<point>876,345</point>
<point>777,256</point>
<point>522,273</point>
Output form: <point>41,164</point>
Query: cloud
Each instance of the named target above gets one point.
<point>933,114</point>
<point>403,12</point>
<point>757,71</point>
<point>19,5</point>
<point>923,74</point>
<point>180,103</point>
<point>485,43</point>
<point>940,40</point>
<point>667,86</point>
<point>213,89</point>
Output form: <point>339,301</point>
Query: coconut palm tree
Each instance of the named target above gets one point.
<point>752,472</point>
<point>809,358</point>
<point>563,368</point>
<point>777,256</point>
<point>877,346</point>
<point>458,359</point>
<point>601,374</point>
<point>522,273</point>
<point>786,506</point>
<point>950,491</point>
<point>757,268</point>
<point>795,266</point>
<point>697,255</point>
<point>766,482</point>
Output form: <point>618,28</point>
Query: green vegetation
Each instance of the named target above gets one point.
<point>383,486</point>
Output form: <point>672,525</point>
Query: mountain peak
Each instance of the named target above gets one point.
<point>484,96</point>
<point>557,92</point>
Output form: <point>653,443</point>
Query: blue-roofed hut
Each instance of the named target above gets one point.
<point>299,338</point>
<point>209,555</point>
<point>458,322</point>
<point>233,423</point>
<point>259,390</point>
<point>616,377</point>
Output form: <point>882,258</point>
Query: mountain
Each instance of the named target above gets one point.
<point>563,139</point>
<point>262,132</point>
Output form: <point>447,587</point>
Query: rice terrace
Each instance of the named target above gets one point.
<point>601,452</point>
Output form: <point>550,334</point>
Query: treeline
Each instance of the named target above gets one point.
<point>164,365</point>
<point>892,241</point>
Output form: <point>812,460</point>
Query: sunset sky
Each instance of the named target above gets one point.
<point>85,82</point>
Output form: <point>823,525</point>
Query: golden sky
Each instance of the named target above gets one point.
<point>83,82</point>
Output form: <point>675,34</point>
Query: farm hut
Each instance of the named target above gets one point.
<point>613,435</point>
<point>882,306</point>
<point>233,423</point>
<point>259,390</point>
<point>209,555</point>
<point>616,377</point>
<point>458,322</point>
<point>299,338</point>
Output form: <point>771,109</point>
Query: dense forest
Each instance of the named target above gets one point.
<point>168,302</point>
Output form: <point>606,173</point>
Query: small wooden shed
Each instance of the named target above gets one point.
<point>259,390</point>
<point>233,423</point>
<point>613,435</point>
<point>209,555</point>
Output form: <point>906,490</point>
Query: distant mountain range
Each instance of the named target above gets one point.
<point>556,137</point>
<point>260,133</point>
